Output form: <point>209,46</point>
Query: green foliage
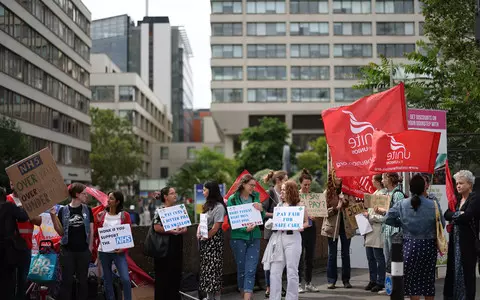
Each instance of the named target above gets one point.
<point>15,147</point>
<point>316,158</point>
<point>264,146</point>
<point>259,177</point>
<point>116,155</point>
<point>314,188</point>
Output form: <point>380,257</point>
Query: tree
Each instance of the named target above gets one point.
<point>15,147</point>
<point>316,158</point>
<point>116,155</point>
<point>263,145</point>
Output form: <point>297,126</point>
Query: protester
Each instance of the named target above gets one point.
<point>285,249</point>
<point>309,239</point>
<point>211,248</point>
<point>426,194</point>
<point>417,218</point>
<point>10,214</point>
<point>26,231</point>
<point>168,269</point>
<point>74,224</point>
<point>114,215</point>
<point>374,243</point>
<point>134,216</point>
<point>245,242</point>
<point>460,281</point>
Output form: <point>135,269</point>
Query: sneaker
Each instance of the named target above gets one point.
<point>311,288</point>
<point>370,286</point>
<point>347,285</point>
<point>267,295</point>
<point>377,288</point>
<point>300,289</point>
<point>331,286</point>
<point>382,292</point>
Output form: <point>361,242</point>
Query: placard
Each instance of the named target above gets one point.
<point>203,225</point>
<point>372,201</point>
<point>364,225</point>
<point>351,212</point>
<point>243,215</point>
<point>288,218</point>
<point>116,237</point>
<point>174,217</point>
<point>315,204</point>
<point>38,182</point>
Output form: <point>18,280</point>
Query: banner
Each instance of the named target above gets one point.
<point>357,186</point>
<point>315,204</point>
<point>288,218</point>
<point>199,199</point>
<point>116,237</point>
<point>174,217</point>
<point>243,215</point>
<point>349,129</point>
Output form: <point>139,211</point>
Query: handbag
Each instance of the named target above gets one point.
<point>156,245</point>
<point>43,268</point>
<point>441,240</point>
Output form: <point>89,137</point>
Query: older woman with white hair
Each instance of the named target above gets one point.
<point>462,253</point>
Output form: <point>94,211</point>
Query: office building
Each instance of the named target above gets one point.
<point>291,59</point>
<point>45,78</point>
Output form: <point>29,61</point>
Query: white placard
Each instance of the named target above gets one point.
<point>203,225</point>
<point>116,237</point>
<point>174,217</point>
<point>243,215</point>
<point>364,226</point>
<point>288,218</point>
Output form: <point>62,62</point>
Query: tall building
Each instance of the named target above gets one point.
<point>45,78</point>
<point>291,59</point>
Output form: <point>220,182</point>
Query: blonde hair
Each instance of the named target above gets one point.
<point>274,176</point>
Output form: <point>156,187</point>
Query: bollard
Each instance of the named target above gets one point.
<point>398,290</point>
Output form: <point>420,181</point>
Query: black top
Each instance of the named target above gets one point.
<point>10,214</point>
<point>77,238</point>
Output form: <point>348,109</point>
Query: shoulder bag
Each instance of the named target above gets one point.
<point>441,241</point>
<point>156,244</point>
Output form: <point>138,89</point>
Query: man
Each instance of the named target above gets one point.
<point>26,231</point>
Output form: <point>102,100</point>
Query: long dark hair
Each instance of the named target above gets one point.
<point>417,187</point>
<point>118,197</point>
<point>214,196</point>
<point>164,193</point>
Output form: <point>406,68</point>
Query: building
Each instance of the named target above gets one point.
<point>45,78</point>
<point>130,97</point>
<point>291,59</point>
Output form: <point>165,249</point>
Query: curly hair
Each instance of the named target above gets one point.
<point>274,176</point>
<point>292,196</point>
<point>332,189</point>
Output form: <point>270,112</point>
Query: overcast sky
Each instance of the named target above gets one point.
<point>193,14</point>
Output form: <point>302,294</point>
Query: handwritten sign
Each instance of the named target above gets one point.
<point>174,217</point>
<point>116,237</point>
<point>372,201</point>
<point>315,204</point>
<point>351,212</point>
<point>243,215</point>
<point>288,218</point>
<point>38,182</point>
<point>203,225</point>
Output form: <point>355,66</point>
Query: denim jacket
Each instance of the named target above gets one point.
<point>420,224</point>
<point>66,223</point>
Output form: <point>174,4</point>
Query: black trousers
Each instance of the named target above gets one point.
<point>168,277</point>
<point>7,282</point>
<point>74,263</point>
<point>309,238</point>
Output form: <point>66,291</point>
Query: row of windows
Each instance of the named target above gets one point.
<point>49,19</point>
<point>315,7</point>
<point>18,68</point>
<point>72,11</point>
<point>280,95</point>
<point>139,121</point>
<point>25,109</point>
<point>317,29</point>
<point>63,154</point>
<point>310,50</point>
<point>19,30</point>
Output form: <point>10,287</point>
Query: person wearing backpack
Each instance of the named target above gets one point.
<point>114,215</point>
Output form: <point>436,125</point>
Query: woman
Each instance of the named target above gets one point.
<point>74,224</point>
<point>285,249</point>
<point>211,248</point>
<point>462,256</point>
<point>168,269</point>
<point>417,218</point>
<point>374,243</point>
<point>114,215</point>
<point>336,225</point>
<point>10,214</point>
<point>245,242</point>
<point>309,239</point>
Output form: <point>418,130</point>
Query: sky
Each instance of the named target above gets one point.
<point>193,14</point>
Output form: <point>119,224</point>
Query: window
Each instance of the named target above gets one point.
<point>309,51</point>
<point>75,14</point>
<point>420,28</point>
<point>352,28</point>
<point>127,93</point>
<point>309,7</point>
<point>352,6</point>
<point>227,95</point>
<point>191,153</point>
<point>227,51</point>
<point>103,93</point>
<point>163,172</point>
<point>394,50</point>
<point>395,28</point>
<point>394,7</point>
<point>227,7</point>
<point>163,152</point>
<point>128,115</point>
<point>310,95</point>
<point>265,7</point>
<point>266,51</point>
<point>266,29</point>
<point>347,72</point>
<point>310,73</point>
<point>349,94</point>
<point>309,29</point>
<point>352,50</point>
<point>267,73</point>
<point>267,95</point>
<point>227,29</point>
<point>227,73</point>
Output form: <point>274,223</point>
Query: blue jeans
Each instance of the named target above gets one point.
<point>121,263</point>
<point>21,276</point>
<point>267,278</point>
<point>332,256</point>
<point>246,253</point>
<point>376,265</point>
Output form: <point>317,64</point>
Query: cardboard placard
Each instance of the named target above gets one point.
<point>174,217</point>
<point>288,218</point>
<point>315,204</point>
<point>243,215</point>
<point>116,237</point>
<point>351,212</point>
<point>146,292</point>
<point>372,201</point>
<point>38,182</point>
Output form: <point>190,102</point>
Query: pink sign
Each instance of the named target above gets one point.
<point>427,119</point>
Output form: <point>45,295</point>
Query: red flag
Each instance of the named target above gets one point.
<point>99,195</point>
<point>349,129</point>
<point>452,199</point>
<point>357,186</point>
<point>407,151</point>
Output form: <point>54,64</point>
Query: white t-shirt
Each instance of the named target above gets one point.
<point>110,221</point>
